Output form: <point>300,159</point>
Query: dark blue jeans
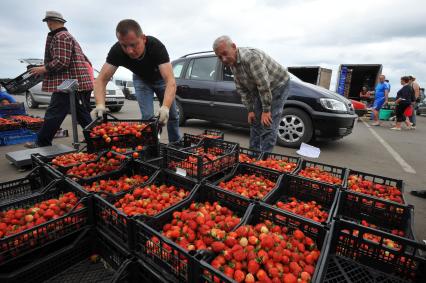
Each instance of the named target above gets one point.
<point>145,96</point>
<point>58,109</point>
<point>261,137</point>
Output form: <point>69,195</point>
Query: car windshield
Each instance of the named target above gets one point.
<point>294,78</point>
<point>129,84</point>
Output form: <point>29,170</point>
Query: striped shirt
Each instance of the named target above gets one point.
<point>64,59</point>
<point>256,74</point>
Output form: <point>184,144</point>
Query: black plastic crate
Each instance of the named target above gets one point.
<point>250,153</point>
<point>70,261</point>
<point>42,160</point>
<point>338,172</point>
<point>249,169</point>
<point>166,254</point>
<point>149,134</point>
<point>387,216</point>
<point>376,179</point>
<point>259,212</point>
<point>353,258</point>
<point>16,245</point>
<point>120,226</point>
<point>133,167</point>
<point>306,190</point>
<point>147,153</point>
<point>139,271</point>
<point>124,160</point>
<point>188,140</point>
<point>280,157</point>
<point>195,165</point>
<point>22,83</point>
<point>35,181</point>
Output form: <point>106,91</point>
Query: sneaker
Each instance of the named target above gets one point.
<point>395,129</point>
<point>31,145</point>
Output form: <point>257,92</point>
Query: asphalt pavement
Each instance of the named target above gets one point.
<point>376,150</point>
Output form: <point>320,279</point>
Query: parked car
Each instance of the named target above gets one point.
<point>421,106</point>
<point>206,90</point>
<point>34,97</point>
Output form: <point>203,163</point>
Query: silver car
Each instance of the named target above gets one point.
<point>34,97</point>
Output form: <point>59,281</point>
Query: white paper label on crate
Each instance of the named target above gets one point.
<point>309,150</point>
<point>181,171</point>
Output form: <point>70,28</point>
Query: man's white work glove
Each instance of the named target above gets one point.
<point>99,111</point>
<point>163,114</point>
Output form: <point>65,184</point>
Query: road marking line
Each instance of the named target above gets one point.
<point>407,168</point>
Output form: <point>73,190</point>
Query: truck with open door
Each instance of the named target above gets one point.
<point>315,75</point>
<point>352,77</point>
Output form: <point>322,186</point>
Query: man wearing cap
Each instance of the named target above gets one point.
<point>63,59</point>
<point>416,88</point>
<point>152,71</point>
<point>263,85</point>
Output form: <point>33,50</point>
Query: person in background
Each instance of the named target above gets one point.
<point>404,98</point>
<point>63,59</point>
<point>416,88</point>
<point>148,59</point>
<point>381,98</point>
<point>387,81</point>
<point>5,98</point>
<point>263,85</point>
<point>365,96</point>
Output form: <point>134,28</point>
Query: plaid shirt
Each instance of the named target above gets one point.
<point>257,74</point>
<point>64,59</point>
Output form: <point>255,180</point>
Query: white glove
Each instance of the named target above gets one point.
<point>164,115</point>
<point>99,111</point>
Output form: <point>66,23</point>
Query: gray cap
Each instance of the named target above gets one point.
<point>54,16</point>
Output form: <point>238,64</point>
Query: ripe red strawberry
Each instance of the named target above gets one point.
<point>218,246</point>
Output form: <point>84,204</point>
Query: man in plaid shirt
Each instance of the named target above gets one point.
<point>63,59</point>
<point>263,86</point>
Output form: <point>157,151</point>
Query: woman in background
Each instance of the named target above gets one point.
<point>404,98</point>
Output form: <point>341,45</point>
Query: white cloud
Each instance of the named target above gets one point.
<point>316,32</point>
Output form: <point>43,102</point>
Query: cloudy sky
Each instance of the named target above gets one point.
<point>294,32</point>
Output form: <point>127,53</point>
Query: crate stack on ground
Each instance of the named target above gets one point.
<point>202,210</point>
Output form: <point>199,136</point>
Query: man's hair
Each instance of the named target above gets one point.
<point>405,79</point>
<point>411,77</point>
<point>220,39</point>
<point>382,76</point>
<point>127,25</point>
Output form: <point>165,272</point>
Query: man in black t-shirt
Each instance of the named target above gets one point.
<point>152,71</point>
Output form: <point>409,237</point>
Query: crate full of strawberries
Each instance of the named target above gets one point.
<point>104,133</point>
<point>268,246</point>
<point>36,221</point>
<point>174,240</point>
<point>114,215</point>
<point>204,160</point>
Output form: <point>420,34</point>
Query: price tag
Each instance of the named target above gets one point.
<point>181,171</point>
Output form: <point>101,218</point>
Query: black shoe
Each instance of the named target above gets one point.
<point>31,145</point>
<point>420,194</point>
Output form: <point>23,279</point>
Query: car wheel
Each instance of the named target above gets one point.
<point>182,118</point>
<point>30,101</point>
<point>115,109</point>
<point>294,128</point>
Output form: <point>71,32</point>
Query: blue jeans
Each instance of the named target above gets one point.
<point>145,96</point>
<point>261,137</point>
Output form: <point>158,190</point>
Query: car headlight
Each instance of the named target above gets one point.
<point>333,104</point>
